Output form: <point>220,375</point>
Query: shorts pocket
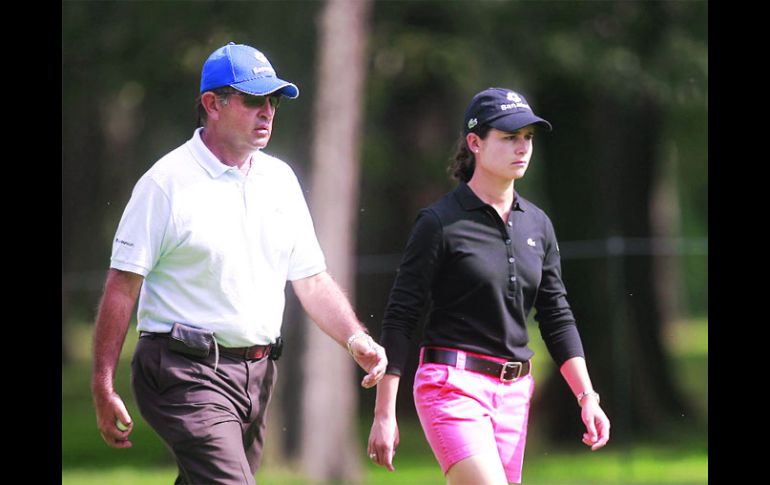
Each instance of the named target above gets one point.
<point>430,380</point>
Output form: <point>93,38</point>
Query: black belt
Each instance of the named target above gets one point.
<point>255,352</point>
<point>506,371</point>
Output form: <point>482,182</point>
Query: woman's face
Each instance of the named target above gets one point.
<point>504,155</point>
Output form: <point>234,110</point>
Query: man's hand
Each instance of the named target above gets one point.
<point>371,357</point>
<point>110,409</point>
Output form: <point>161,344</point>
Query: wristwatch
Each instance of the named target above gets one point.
<point>587,393</point>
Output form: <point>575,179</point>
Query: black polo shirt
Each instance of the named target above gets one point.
<point>482,276</point>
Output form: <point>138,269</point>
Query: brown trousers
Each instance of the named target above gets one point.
<point>213,422</point>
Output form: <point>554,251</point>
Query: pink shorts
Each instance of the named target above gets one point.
<point>465,413</point>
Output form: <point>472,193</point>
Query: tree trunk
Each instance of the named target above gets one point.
<point>666,224</point>
<point>330,448</point>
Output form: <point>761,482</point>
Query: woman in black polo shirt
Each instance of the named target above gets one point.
<point>484,256</point>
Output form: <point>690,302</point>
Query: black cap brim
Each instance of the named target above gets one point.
<point>515,121</point>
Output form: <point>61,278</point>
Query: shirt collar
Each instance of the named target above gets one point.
<point>518,202</point>
<point>470,201</point>
<point>467,198</point>
<point>210,163</point>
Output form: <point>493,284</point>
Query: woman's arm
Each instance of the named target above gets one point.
<point>597,424</point>
<point>383,438</point>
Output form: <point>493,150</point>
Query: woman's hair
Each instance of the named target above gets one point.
<point>464,162</point>
<point>222,93</point>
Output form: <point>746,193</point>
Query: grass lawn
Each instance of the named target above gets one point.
<point>86,460</point>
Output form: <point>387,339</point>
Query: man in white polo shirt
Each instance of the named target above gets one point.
<point>211,234</point>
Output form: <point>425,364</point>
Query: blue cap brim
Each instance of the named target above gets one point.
<point>267,85</point>
<point>515,121</point>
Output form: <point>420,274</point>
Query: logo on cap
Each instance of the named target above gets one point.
<point>257,70</point>
<point>472,122</point>
<point>516,102</point>
<point>260,56</point>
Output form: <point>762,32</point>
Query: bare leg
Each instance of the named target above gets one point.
<point>483,469</point>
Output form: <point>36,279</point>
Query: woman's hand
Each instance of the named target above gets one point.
<point>383,441</point>
<point>597,423</point>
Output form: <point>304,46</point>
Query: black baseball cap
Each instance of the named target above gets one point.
<point>502,109</point>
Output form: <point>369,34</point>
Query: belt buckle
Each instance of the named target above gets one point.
<point>518,365</point>
<point>256,352</point>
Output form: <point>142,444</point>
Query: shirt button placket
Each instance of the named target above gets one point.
<point>511,259</point>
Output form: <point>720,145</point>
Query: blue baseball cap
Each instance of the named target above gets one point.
<point>245,69</point>
<point>502,109</point>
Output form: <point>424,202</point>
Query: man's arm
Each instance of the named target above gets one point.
<point>120,293</point>
<point>327,306</point>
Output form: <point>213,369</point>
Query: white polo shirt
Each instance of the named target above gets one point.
<point>216,248</point>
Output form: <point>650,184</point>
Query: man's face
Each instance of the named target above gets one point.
<point>247,120</point>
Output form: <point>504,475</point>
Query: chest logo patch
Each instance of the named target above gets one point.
<point>530,242</point>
